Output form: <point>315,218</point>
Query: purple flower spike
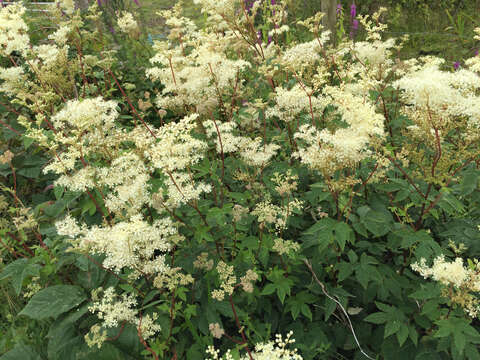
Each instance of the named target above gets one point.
<point>269,40</point>
<point>272,2</point>
<point>136,2</point>
<point>353,10</point>
<point>355,24</point>
<point>476,52</point>
<point>99,2</point>
<point>456,65</point>
<point>249,4</point>
<point>259,37</point>
<point>339,9</point>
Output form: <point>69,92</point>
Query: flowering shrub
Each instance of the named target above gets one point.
<point>235,189</point>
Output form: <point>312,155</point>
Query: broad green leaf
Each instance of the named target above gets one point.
<point>377,318</point>
<point>53,301</point>
<point>18,271</point>
<point>343,233</point>
<point>402,334</point>
<point>378,223</point>
<point>21,352</point>
<point>306,311</point>
<point>268,289</point>
<point>391,328</point>
<point>413,334</point>
<point>344,270</point>
<point>459,340</point>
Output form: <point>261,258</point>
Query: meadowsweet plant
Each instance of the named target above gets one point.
<point>191,197</point>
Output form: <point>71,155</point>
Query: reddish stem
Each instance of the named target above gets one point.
<point>142,340</point>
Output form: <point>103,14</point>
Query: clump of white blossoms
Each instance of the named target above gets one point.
<point>127,23</point>
<point>114,310</point>
<point>66,5</point>
<point>272,350</point>
<point>276,215</point>
<point>129,244</point>
<point>81,128</point>
<point>460,282</point>
<point>228,281</point>
<point>175,152</point>
<point>200,77</point>
<point>438,95</point>
<point>13,30</point>
<point>328,151</point>
<point>252,151</point>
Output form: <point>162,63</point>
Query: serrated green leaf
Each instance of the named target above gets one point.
<point>391,328</point>
<point>402,334</point>
<point>269,289</point>
<point>18,271</point>
<point>377,318</point>
<point>344,270</point>
<point>306,311</point>
<point>343,233</point>
<point>53,301</point>
<point>21,352</point>
<point>459,340</point>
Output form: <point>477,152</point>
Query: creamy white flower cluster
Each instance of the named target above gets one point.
<point>228,281</point>
<point>127,23</point>
<point>14,80</point>
<point>462,281</point>
<point>198,77</point>
<point>252,151</point>
<point>327,150</point>
<point>433,91</point>
<point>290,103</point>
<point>269,213</point>
<point>81,128</point>
<point>272,350</point>
<point>66,5</point>
<point>129,244</point>
<point>13,30</point>
<point>174,154</point>
<point>115,310</point>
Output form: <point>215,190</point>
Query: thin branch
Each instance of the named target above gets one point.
<point>322,286</point>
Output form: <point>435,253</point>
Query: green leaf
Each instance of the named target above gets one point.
<point>377,318</point>
<point>27,142</point>
<point>53,301</point>
<point>343,233</point>
<point>413,334</point>
<point>378,223</point>
<point>18,271</point>
<point>269,289</point>
<point>470,182</point>
<point>459,340</point>
<point>21,352</point>
<point>306,311</point>
<point>391,328</point>
<point>344,270</point>
<point>402,334</point>
<point>30,172</point>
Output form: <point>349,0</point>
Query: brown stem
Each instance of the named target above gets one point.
<point>10,128</point>
<point>130,104</point>
<point>406,176</point>
<point>119,333</point>
<point>240,328</point>
<point>142,340</point>
<point>223,160</point>
<point>26,248</point>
